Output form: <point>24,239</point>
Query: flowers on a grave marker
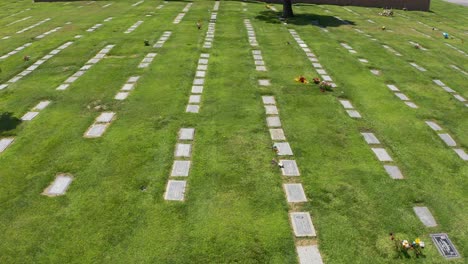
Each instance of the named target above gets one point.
<point>301,79</point>
<point>316,80</point>
<point>325,86</point>
<point>403,247</point>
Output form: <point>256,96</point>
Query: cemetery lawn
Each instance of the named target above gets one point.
<point>235,209</point>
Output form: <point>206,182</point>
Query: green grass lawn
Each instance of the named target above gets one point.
<point>235,209</point>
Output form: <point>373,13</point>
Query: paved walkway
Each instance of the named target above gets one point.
<point>459,2</point>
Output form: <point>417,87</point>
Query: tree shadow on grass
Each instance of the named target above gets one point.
<point>273,17</point>
<point>8,122</point>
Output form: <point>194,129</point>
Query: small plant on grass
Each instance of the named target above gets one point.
<point>404,247</point>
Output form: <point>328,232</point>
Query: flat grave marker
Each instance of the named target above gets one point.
<point>277,134</point>
<point>289,168</point>
<point>448,139</point>
<point>180,168</point>
<point>302,224</point>
<point>433,125</point>
<point>309,255</point>
<point>271,110</point>
<point>294,193</point>
<point>175,190</point>
<point>382,154</point>
<point>96,130</point>
<point>346,104</point>
<point>445,246</point>
<point>353,113</point>
<point>268,100</point>
<point>393,171</point>
<point>29,116</point>
<point>370,138</point>
<point>273,121</point>
<point>191,108</point>
<point>186,133</point>
<point>460,152</point>
<point>425,216</point>
<point>5,142</point>
<point>183,150</point>
<point>283,149</point>
<point>105,117</point>
<point>59,186</point>
<point>194,99</point>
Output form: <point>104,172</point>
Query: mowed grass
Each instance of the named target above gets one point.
<point>235,210</point>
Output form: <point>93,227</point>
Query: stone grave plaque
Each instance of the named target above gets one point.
<point>370,138</point>
<point>289,168</point>
<point>194,99</point>
<point>121,96</point>
<point>175,190</point>
<point>260,68</point>
<point>259,63</point>
<point>310,54</point>
<point>306,50</point>
<point>268,100</point>
<point>411,104</point>
<point>352,51</point>
<point>392,87</point>
<point>180,168</point>
<point>375,72</point>
<point>425,216</point>
<point>433,125</point>
<point>394,172</point>
<point>309,255</point>
<point>71,79</point>
<point>277,134</point>
<point>459,97</point>
<point>59,186</point>
<point>191,108</point>
<point>445,246</point>
<point>41,105</point>
<point>327,78</point>
<point>200,74</point>
<point>183,150</point>
<point>128,86</point>
<point>197,89</point>
<point>143,65</point>
<point>93,61</point>
<point>198,81</point>
<point>303,45</point>
<point>448,140</point>
<point>256,52</point>
<point>29,116</point>
<point>264,82</point>
<point>439,82</point>
<point>346,104</point>
<point>257,57</point>
<point>448,89</point>
<point>186,133</point>
<point>63,87</point>
<point>202,61</point>
<point>321,71</point>
<point>271,110</point>
<point>294,193</point>
<point>283,149</point>
<point>202,67</point>
<point>96,130</point>
<point>105,117</point>
<point>4,143</point>
<point>204,55</point>
<point>363,60</point>
<point>273,121</point>
<point>353,113</point>
<point>382,154</point>
<point>402,96</point>
<point>317,65</point>
<point>313,59</point>
<point>302,224</point>
<point>133,79</point>
<point>461,153</point>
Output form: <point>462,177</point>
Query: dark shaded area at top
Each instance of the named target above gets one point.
<point>273,17</point>
<point>8,122</point>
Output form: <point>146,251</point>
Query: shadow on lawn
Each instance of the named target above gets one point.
<point>273,17</point>
<point>8,122</point>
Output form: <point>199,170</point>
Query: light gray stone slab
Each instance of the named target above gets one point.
<point>277,134</point>
<point>202,67</point>
<point>96,130</point>
<point>71,79</point>
<point>257,57</point>
<point>382,154</point>
<point>59,186</point>
<point>433,125</point>
<point>317,65</point>
<point>93,61</point>
<point>78,74</point>
<point>273,121</point>
<point>460,152</point>
<point>203,61</point>
<point>63,87</point>
<point>175,190</point>
<point>370,138</point>
<point>353,113</point>
<point>411,104</point>
<point>197,89</point>
<point>180,168</point>
<point>289,168</point>
<point>448,89</point>
<point>105,117</point>
<point>283,149</point>
<point>200,74</point>
<point>302,224</point>
<point>29,116</point>
<point>259,63</point>
<point>439,82</point>
<point>256,52</point>
<point>417,67</point>
<point>363,60</point>
<point>198,81</point>
<point>271,110</point>
<point>3,86</point>
<point>294,193</point>
<point>375,72</point>
<point>191,108</point>
<point>393,87</point>
<point>352,51</point>
<point>194,99</point>
<point>402,96</point>
<point>260,68</point>
<point>264,82</point>
<point>310,54</point>
<point>186,133</point>
<point>425,216</point>
<point>268,100</point>
<point>5,142</point>
<point>41,105</point>
<point>128,87</point>
<point>448,139</point>
<point>133,79</point>
<point>143,65</point>
<point>183,150</point>
<point>393,171</point>
<point>312,59</point>
<point>204,55</point>
<point>121,96</point>
<point>309,255</point>
<point>321,71</point>
<point>459,97</point>
<point>346,104</point>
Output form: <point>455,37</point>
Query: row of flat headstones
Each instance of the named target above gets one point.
<point>175,189</point>
<point>181,15</point>
<point>301,221</point>
<point>451,91</point>
<point>35,65</point>
<point>198,82</point>
<point>33,26</point>
<point>98,57</point>
<point>448,140</point>
<point>133,27</point>
<point>98,25</point>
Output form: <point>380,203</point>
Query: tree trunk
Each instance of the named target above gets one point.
<point>287,8</point>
